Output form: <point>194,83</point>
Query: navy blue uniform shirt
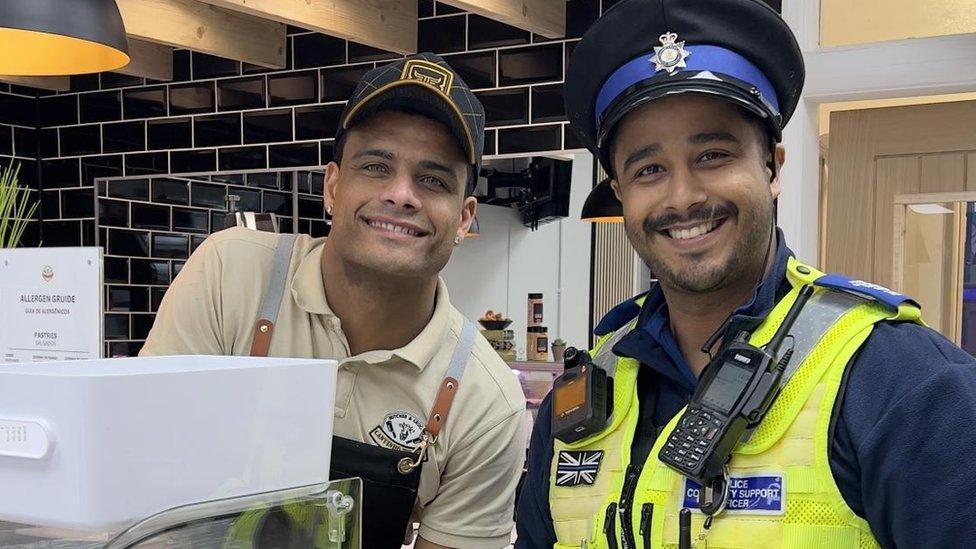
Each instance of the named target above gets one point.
<point>904,447</point>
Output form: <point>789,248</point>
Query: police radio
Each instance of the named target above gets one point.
<point>582,398</point>
<point>736,390</point>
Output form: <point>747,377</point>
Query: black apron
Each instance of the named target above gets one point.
<point>390,477</point>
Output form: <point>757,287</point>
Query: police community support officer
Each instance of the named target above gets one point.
<point>408,146</point>
<point>684,102</point>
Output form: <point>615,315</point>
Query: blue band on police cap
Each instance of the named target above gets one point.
<point>703,58</point>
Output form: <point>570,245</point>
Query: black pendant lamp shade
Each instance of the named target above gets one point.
<point>61,37</point>
<point>602,206</point>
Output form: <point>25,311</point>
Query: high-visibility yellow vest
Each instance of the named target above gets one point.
<point>784,461</point>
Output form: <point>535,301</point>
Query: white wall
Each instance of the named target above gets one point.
<point>508,261</point>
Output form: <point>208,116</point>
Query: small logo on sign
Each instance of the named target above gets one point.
<point>47,273</point>
<point>398,431</point>
<point>578,468</point>
<point>428,73</point>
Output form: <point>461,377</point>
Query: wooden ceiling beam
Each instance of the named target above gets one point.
<point>545,17</point>
<point>209,29</point>
<point>149,60</point>
<point>389,25</point>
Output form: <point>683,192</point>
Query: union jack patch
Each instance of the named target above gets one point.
<point>578,468</point>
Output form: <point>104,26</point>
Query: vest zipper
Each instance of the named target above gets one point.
<point>647,513</point>
<point>626,501</point>
<point>610,526</point>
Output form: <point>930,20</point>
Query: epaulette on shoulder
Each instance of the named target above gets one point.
<point>619,316</point>
<point>889,298</point>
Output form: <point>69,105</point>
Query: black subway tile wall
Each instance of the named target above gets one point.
<point>268,126</point>
<point>169,133</point>
<point>150,226</point>
<point>80,140</point>
<point>442,34</point>
<point>221,129</point>
<point>6,140</point>
<point>242,93</point>
<point>219,114</point>
<point>192,98</point>
<point>100,106</point>
<point>144,103</point>
<point>479,70</point>
<point>124,137</point>
<point>488,33</point>
<point>19,143</point>
<point>506,107</point>
<point>338,83</point>
<point>530,65</point>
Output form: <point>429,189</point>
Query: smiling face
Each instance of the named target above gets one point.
<point>398,198</point>
<point>691,172</point>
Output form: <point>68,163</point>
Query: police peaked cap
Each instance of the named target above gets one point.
<point>642,50</point>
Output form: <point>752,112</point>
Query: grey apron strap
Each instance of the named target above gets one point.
<point>444,399</point>
<point>449,386</point>
<point>271,302</point>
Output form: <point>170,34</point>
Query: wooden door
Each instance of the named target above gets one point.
<point>876,154</point>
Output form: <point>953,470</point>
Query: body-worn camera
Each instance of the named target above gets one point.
<point>582,398</point>
<point>736,390</point>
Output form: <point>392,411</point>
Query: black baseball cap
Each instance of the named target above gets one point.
<point>427,85</point>
<point>643,50</point>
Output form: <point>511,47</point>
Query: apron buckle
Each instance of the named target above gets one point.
<point>407,464</point>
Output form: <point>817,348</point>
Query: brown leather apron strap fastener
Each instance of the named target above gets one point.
<point>271,302</point>
<point>442,406</point>
<point>445,395</point>
<point>263,330</point>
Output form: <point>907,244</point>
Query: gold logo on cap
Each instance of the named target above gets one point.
<point>428,73</point>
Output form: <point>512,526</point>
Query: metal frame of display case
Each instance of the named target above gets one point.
<point>322,516</point>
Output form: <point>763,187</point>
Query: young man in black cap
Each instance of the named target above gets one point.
<point>856,424</point>
<point>425,411</point>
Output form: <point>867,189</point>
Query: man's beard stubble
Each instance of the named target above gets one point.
<point>743,261</point>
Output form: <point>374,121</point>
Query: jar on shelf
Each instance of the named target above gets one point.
<point>537,344</point>
<point>535,310</point>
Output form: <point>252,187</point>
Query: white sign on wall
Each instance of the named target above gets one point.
<point>50,304</point>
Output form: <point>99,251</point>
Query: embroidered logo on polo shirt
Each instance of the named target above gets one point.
<point>399,431</point>
<point>578,468</point>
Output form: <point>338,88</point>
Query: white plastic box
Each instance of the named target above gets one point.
<point>100,444</point>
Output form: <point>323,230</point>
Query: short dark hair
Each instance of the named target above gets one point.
<point>340,145</point>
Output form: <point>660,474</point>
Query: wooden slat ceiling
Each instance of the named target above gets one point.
<point>254,31</point>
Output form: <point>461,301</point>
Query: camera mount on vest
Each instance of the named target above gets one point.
<point>582,398</point>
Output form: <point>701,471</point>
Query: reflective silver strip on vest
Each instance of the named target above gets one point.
<point>605,359</point>
<point>817,317</point>
<point>279,274</point>
<point>820,313</point>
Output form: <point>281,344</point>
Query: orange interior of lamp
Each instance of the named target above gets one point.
<point>30,53</point>
<point>609,219</point>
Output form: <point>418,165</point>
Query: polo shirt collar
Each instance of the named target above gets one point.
<point>308,292</point>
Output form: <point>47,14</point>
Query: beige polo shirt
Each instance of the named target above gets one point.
<point>467,488</point>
